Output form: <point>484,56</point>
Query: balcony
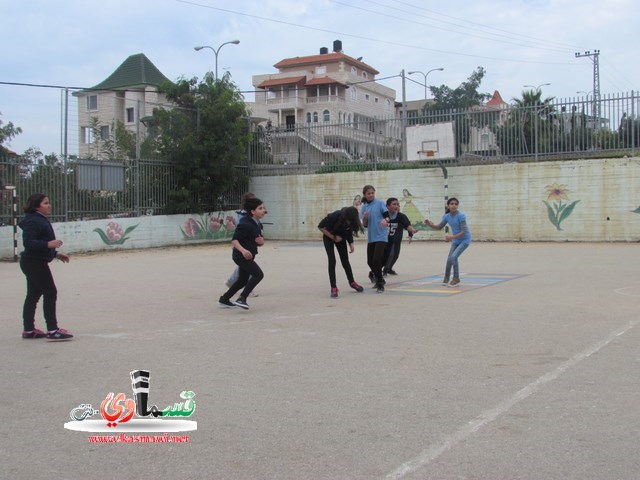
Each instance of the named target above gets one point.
<point>325,99</point>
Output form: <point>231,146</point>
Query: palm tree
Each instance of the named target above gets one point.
<point>536,119</point>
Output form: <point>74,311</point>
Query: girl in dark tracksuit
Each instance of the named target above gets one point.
<point>338,229</point>
<point>40,245</point>
<point>246,240</point>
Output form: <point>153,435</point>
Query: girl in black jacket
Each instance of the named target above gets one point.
<point>40,245</point>
<point>246,240</point>
<point>337,230</point>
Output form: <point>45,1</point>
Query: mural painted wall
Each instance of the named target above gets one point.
<point>577,201</point>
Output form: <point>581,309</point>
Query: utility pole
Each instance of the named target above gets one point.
<point>595,58</point>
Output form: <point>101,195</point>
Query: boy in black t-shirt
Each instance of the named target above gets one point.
<point>398,222</point>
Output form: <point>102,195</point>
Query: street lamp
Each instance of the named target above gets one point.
<point>216,50</point>
<point>586,93</point>
<point>538,87</point>
<point>425,75</point>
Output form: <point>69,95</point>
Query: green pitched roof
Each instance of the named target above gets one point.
<point>135,70</point>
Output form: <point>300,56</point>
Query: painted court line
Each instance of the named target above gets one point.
<point>488,416</point>
<point>432,285</point>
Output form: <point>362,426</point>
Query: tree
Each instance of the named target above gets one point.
<point>456,105</point>
<point>464,97</point>
<point>206,136</point>
<point>7,132</point>
<point>531,125</point>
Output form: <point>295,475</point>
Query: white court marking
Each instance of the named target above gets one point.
<point>488,416</point>
<point>629,291</point>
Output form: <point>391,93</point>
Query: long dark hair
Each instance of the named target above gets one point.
<point>33,202</point>
<point>364,192</point>
<point>251,204</point>
<point>349,219</point>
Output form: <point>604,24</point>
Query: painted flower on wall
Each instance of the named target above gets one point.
<point>209,227</point>
<point>557,210</point>
<point>113,234</point>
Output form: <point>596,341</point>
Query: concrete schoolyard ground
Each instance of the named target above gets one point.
<point>530,370</point>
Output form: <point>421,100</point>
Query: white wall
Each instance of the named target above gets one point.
<point>502,202</point>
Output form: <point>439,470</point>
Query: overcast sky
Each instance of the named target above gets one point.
<point>80,43</point>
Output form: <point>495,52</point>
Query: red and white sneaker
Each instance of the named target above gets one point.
<point>35,333</point>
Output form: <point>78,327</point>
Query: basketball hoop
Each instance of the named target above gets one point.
<point>426,153</point>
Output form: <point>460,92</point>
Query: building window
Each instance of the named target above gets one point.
<point>130,115</point>
<point>308,117</point>
<point>315,117</point>
<point>293,92</point>
<point>326,116</point>
<point>354,93</point>
<point>321,70</point>
<point>270,94</point>
<point>354,70</point>
<point>364,75</point>
<point>339,117</point>
<point>366,96</point>
<point>92,102</point>
<point>388,105</point>
<point>104,132</point>
<point>87,135</point>
<point>375,99</point>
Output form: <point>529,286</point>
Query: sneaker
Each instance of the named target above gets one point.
<point>445,282</point>
<point>372,277</point>
<point>384,274</point>
<point>379,287</point>
<point>35,333</point>
<point>356,286</point>
<point>59,335</point>
<point>241,303</point>
<point>223,302</point>
<point>334,293</point>
<point>392,272</point>
<point>454,282</point>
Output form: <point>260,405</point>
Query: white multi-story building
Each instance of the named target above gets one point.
<point>331,90</point>
<point>127,96</point>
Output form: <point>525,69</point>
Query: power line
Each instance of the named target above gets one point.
<point>369,39</point>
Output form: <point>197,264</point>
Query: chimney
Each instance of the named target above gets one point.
<point>337,46</point>
<point>324,50</point>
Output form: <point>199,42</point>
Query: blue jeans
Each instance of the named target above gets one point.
<point>452,259</point>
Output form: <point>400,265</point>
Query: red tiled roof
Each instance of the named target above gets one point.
<point>322,81</point>
<point>496,100</point>
<point>281,81</point>
<point>324,58</point>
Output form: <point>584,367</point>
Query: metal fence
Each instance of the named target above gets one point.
<point>581,127</point>
<point>90,189</point>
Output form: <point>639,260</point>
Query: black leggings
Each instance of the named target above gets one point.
<point>375,255</point>
<point>391,254</point>
<point>344,259</point>
<point>39,284</point>
<point>249,276</point>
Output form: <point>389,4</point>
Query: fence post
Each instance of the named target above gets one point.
<point>14,219</point>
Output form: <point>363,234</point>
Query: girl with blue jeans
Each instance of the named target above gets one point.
<point>460,239</point>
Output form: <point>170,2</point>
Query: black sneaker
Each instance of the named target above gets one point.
<point>379,287</point>
<point>241,303</point>
<point>59,335</point>
<point>35,333</point>
<point>372,277</point>
<point>392,272</point>
<point>223,302</point>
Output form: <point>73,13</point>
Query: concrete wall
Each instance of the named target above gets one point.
<point>503,203</point>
